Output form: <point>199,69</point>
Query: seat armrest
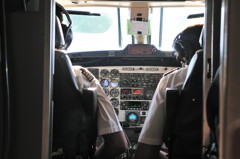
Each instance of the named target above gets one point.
<point>90,105</point>
<point>172,103</point>
<point>90,99</point>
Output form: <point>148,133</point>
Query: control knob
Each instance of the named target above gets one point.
<point>149,95</point>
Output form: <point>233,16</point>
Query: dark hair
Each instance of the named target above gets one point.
<point>187,43</point>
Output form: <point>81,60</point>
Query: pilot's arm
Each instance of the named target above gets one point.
<point>109,127</point>
<point>114,144</point>
<point>151,137</point>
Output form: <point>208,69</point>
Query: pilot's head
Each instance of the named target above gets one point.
<point>187,43</point>
<point>66,29</point>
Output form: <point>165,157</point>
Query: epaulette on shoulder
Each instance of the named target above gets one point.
<point>170,71</point>
<point>88,75</point>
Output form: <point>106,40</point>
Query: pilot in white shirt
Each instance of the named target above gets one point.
<point>109,128</point>
<point>150,140</point>
<point>152,131</point>
<point>107,118</point>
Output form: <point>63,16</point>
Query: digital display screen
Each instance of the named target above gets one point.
<point>132,117</point>
<point>137,91</point>
<point>125,91</point>
<point>140,50</point>
<point>134,105</point>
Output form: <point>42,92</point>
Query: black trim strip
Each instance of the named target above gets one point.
<point>160,27</point>
<point>119,28</point>
<point>5,134</point>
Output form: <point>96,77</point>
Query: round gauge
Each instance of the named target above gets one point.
<point>114,102</point>
<point>114,73</point>
<point>114,83</point>
<point>132,118</point>
<point>104,73</point>
<point>114,92</point>
<point>106,91</point>
<point>104,82</point>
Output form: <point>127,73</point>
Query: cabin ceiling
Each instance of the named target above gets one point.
<point>109,3</point>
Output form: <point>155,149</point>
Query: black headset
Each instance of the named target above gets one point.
<point>67,29</point>
<point>183,48</point>
<point>186,43</point>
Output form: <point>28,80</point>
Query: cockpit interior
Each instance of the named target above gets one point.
<point>127,46</point>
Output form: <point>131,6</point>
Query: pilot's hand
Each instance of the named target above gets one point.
<point>163,155</point>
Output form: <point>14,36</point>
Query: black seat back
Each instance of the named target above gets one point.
<point>185,132</point>
<point>211,152</point>
<point>213,105</point>
<point>74,113</point>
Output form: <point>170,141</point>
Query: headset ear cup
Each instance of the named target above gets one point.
<point>69,38</point>
<point>185,50</point>
<point>68,35</point>
<point>178,47</point>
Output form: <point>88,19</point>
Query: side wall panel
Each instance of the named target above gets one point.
<point>230,77</point>
<point>30,48</point>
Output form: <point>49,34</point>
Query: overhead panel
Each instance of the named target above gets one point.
<point>74,3</point>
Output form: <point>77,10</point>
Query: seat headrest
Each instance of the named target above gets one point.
<point>196,64</point>
<point>59,38</point>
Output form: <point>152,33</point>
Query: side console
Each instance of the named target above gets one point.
<point>130,89</point>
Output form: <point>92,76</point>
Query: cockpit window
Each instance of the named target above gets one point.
<point>109,30</point>
<point>92,24</point>
<point>91,33</point>
<point>174,20</point>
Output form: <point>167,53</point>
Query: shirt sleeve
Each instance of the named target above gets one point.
<point>107,118</point>
<point>153,129</point>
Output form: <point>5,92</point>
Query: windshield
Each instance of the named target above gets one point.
<point>109,31</point>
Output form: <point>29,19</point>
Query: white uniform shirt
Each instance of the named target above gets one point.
<point>107,118</point>
<point>153,129</point>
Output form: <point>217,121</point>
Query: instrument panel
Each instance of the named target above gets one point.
<point>130,89</point>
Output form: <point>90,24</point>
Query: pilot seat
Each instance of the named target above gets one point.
<point>74,113</point>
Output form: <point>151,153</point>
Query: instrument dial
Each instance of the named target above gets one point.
<point>114,83</point>
<point>114,73</point>
<point>104,82</point>
<point>114,92</point>
<point>104,73</point>
<point>132,118</point>
<point>115,102</point>
<point>106,91</point>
